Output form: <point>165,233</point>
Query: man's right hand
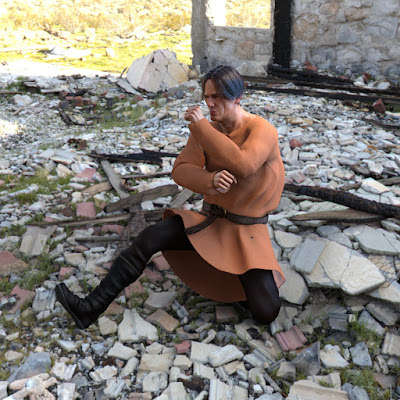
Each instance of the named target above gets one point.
<point>223,180</point>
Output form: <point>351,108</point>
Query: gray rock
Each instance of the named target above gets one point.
<point>175,391</point>
<point>309,361</point>
<point>340,267</point>
<point>202,371</point>
<point>44,300</point>
<point>287,240</point>
<point>66,391</point>
<point>370,323</point>
<point>34,240</point>
<point>122,352</point>
<point>3,389</point>
<point>286,370</point>
<point>35,364</point>
<point>274,396</point>
<point>384,313</point>
<point>306,255</point>
<point>63,371</point>
<point>224,355</point>
<point>161,300</point>
<point>294,290</point>
<point>103,374</point>
<point>331,357</point>
<point>200,352</point>
<point>355,392</point>
<point>391,345</point>
<point>388,292</point>
<point>155,382</point>
<point>378,241</point>
<point>360,355</point>
<point>308,390</point>
<point>134,328</point>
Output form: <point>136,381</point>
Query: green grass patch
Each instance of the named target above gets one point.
<point>365,379</point>
<point>43,266</point>
<point>363,334</point>
<point>14,230</point>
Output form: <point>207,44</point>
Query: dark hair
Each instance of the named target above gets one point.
<point>227,80</point>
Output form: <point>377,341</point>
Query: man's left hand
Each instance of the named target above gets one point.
<point>193,114</point>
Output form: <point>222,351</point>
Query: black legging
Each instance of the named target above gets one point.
<point>258,284</point>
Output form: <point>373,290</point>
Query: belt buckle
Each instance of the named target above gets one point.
<point>223,212</point>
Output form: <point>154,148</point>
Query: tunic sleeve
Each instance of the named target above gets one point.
<point>240,161</point>
<point>188,170</point>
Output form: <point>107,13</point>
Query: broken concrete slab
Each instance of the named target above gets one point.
<point>34,240</point>
<point>294,290</point>
<point>377,241</point>
<point>306,255</point>
<point>158,71</point>
<point>308,390</point>
<point>341,267</point>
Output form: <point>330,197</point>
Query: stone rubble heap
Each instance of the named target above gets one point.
<point>159,339</point>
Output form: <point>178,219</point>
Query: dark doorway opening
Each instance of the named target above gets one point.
<point>282,46</point>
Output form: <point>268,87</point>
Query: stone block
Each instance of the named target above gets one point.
<point>158,71</point>
<point>308,390</point>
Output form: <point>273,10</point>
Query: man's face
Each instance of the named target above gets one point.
<point>220,108</point>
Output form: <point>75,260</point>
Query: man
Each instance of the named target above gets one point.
<point>223,252</point>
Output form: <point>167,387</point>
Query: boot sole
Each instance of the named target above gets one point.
<point>61,298</point>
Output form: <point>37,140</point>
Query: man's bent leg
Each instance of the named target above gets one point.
<point>262,294</point>
<point>168,234</point>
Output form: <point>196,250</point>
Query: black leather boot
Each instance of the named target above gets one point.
<point>125,269</point>
<point>168,234</point>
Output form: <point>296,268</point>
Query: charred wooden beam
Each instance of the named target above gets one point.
<point>293,74</point>
<point>329,95</point>
<point>148,156</point>
<point>388,127</point>
<point>338,216</point>
<point>349,87</point>
<point>346,199</point>
<point>151,194</point>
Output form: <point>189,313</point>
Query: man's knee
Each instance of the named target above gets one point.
<point>266,313</point>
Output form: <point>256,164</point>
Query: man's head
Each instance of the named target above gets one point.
<point>227,80</point>
<point>223,88</point>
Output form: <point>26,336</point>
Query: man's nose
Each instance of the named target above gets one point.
<point>209,102</point>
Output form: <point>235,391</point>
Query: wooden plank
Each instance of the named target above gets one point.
<point>86,221</point>
<point>114,179</point>
<point>97,188</point>
<point>341,215</point>
<point>151,194</point>
<point>181,198</point>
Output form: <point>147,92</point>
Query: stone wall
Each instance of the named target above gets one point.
<point>214,44</point>
<point>360,35</point>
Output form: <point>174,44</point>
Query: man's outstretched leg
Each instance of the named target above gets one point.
<point>126,268</point>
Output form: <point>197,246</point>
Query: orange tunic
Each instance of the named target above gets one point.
<point>224,249</point>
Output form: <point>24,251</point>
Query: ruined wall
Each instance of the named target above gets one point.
<point>360,35</point>
<point>214,44</point>
<point>363,35</point>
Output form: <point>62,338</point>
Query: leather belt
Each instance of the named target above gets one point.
<point>215,211</point>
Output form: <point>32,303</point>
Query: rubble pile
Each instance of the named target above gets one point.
<point>337,335</point>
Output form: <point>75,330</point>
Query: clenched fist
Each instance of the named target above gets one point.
<point>193,114</point>
<point>223,180</point>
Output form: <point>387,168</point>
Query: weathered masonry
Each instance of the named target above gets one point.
<point>360,35</point>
